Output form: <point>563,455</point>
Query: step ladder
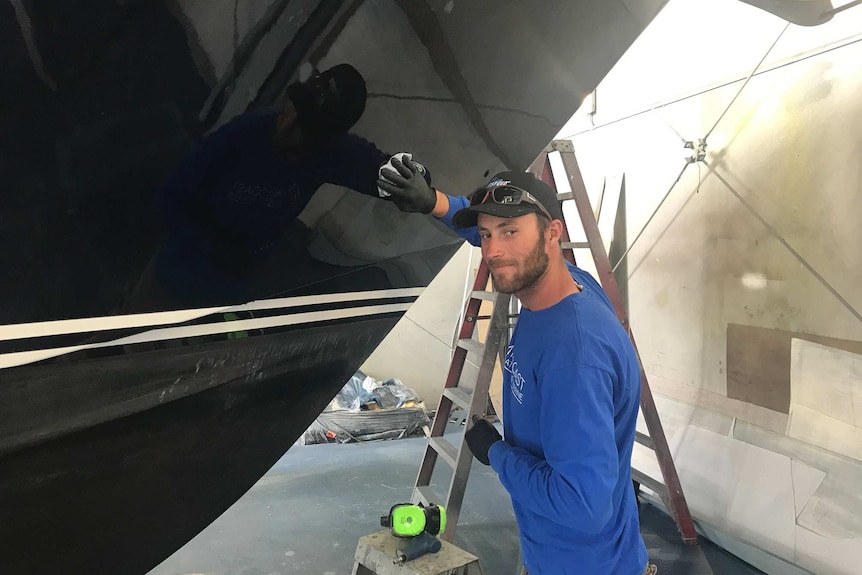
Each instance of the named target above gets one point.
<point>474,399</point>
<point>670,489</point>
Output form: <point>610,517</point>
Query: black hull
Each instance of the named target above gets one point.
<point>121,442</point>
<point>121,496</point>
<point>113,457</point>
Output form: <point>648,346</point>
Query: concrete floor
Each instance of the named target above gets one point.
<point>307,513</point>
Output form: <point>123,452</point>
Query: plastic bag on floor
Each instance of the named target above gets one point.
<point>353,395</point>
<point>404,396</point>
<point>368,410</point>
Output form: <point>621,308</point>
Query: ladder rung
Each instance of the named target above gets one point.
<point>447,451</point>
<point>425,495</point>
<point>644,440</point>
<point>472,346</point>
<point>485,295</point>
<point>459,396</point>
<point>653,484</point>
<point>575,245</point>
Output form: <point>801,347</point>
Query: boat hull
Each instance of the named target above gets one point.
<point>148,373</point>
<point>121,495</point>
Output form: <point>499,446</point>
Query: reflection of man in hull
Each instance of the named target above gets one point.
<point>233,198</point>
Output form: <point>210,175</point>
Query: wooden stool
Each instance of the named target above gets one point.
<point>375,555</point>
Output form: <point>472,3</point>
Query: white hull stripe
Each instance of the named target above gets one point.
<point>94,324</point>
<point>24,357</point>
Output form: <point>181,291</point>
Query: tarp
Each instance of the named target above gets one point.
<point>369,410</point>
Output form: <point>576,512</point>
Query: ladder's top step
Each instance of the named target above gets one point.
<point>472,346</point>
<point>565,196</point>
<point>560,146</point>
<point>485,295</point>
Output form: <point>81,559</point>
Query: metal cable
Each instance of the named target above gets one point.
<point>668,124</point>
<point>784,242</point>
<point>675,100</point>
<point>704,139</point>
<point>744,84</point>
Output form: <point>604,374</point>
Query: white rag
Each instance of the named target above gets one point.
<point>403,157</point>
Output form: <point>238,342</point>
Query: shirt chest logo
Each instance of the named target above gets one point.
<point>516,380</point>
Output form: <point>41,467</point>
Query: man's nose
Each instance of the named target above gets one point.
<point>491,248</point>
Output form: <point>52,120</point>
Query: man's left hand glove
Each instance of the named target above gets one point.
<point>481,437</point>
<point>408,187</point>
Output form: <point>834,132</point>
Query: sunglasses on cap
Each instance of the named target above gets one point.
<point>314,93</point>
<point>507,195</point>
<point>319,89</point>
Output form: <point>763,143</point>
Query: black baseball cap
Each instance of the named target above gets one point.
<point>504,196</point>
<point>329,102</point>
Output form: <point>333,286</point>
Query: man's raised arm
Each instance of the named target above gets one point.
<point>411,192</point>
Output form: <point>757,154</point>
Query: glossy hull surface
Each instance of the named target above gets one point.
<point>158,348</point>
<point>118,497</point>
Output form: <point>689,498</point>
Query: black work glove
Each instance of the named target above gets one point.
<point>481,437</point>
<point>409,188</point>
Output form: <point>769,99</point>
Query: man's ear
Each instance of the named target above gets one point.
<point>555,229</point>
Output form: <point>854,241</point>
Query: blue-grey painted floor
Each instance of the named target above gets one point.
<point>307,513</point>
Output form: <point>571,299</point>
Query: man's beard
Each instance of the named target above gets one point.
<point>534,267</point>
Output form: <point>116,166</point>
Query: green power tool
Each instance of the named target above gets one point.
<point>417,526</point>
<point>411,520</point>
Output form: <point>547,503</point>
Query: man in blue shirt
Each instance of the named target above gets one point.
<point>571,381</point>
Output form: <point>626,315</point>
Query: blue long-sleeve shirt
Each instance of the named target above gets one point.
<point>571,391</point>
